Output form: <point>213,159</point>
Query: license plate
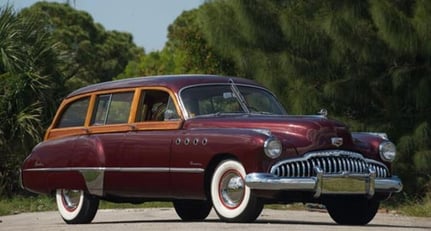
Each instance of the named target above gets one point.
<point>345,185</point>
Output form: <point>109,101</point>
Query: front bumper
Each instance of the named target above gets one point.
<point>344,183</point>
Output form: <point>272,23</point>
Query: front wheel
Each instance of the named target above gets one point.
<point>232,200</point>
<point>352,210</point>
<point>76,206</point>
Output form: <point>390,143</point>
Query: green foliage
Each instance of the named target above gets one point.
<point>154,63</point>
<point>421,19</point>
<point>414,159</point>
<point>92,54</point>
<point>193,55</point>
<point>26,66</point>
<point>187,51</point>
<point>46,51</point>
<point>394,26</point>
<point>20,204</point>
<point>410,205</point>
<point>367,62</point>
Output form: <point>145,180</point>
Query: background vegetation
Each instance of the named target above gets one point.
<point>367,62</point>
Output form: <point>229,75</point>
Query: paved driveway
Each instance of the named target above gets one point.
<point>166,219</point>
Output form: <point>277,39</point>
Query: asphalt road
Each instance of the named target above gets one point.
<point>166,219</point>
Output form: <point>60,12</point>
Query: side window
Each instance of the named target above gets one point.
<point>112,108</point>
<point>156,105</point>
<point>75,113</point>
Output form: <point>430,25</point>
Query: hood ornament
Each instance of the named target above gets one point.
<point>337,141</point>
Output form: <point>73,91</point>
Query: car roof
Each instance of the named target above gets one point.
<point>173,82</point>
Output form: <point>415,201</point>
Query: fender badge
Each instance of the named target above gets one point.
<point>337,141</point>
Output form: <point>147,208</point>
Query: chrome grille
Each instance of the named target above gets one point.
<point>331,162</point>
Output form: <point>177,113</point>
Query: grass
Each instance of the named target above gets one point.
<point>413,207</point>
<point>294,206</point>
<point>154,204</point>
<point>41,203</point>
<point>20,204</point>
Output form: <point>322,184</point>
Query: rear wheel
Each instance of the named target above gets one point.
<point>232,200</point>
<point>352,210</point>
<point>76,206</point>
<point>192,210</point>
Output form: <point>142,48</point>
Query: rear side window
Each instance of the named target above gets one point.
<point>75,113</point>
<point>112,108</point>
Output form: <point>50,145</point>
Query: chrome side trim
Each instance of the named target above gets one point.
<point>94,181</point>
<point>20,179</point>
<point>379,134</point>
<point>187,170</point>
<point>94,176</point>
<point>117,169</point>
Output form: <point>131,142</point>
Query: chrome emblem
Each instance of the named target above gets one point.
<point>337,141</point>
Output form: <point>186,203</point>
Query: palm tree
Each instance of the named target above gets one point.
<point>24,90</point>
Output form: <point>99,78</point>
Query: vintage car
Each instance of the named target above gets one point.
<point>203,142</point>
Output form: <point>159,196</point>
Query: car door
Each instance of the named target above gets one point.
<point>108,128</point>
<point>141,166</point>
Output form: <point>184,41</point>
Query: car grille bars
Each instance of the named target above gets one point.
<point>331,162</point>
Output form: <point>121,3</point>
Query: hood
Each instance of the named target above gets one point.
<point>302,133</point>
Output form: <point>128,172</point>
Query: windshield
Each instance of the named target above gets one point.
<point>214,99</point>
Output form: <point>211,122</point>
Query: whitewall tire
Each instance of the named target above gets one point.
<point>232,200</point>
<point>76,206</point>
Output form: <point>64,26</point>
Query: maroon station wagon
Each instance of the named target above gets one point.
<point>204,142</point>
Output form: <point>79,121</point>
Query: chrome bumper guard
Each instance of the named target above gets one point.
<point>343,183</point>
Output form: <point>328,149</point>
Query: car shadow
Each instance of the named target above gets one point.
<point>296,222</point>
<point>261,221</point>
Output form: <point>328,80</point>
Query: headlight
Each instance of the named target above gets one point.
<point>388,151</point>
<point>273,147</point>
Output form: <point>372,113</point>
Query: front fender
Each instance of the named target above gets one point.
<point>368,143</point>
<point>202,144</point>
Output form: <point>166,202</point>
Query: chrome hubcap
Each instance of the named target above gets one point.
<point>71,199</point>
<point>232,189</point>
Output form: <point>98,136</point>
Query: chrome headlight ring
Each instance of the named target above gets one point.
<point>387,151</point>
<point>272,147</point>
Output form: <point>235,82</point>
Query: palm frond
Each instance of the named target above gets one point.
<point>27,121</point>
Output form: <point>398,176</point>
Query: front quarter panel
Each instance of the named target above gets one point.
<point>368,144</point>
<point>194,151</point>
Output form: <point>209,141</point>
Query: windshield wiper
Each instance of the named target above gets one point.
<point>219,114</point>
<point>239,96</point>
